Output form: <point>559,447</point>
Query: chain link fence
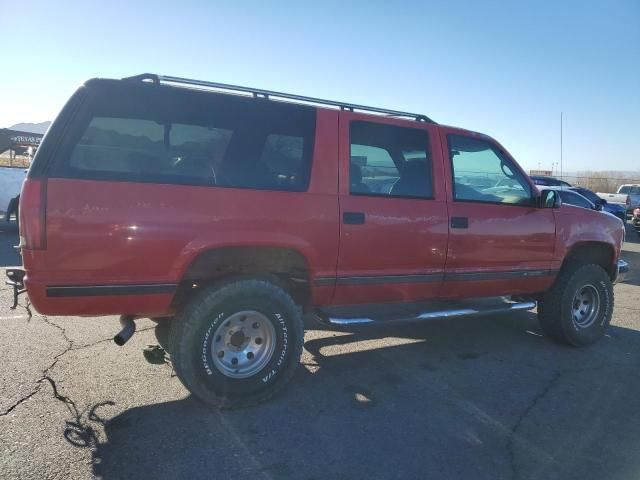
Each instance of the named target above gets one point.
<point>18,161</point>
<point>600,181</point>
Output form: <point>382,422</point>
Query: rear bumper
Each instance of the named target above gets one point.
<point>621,271</point>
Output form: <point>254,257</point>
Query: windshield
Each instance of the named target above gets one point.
<point>549,181</point>
<point>572,198</point>
<point>588,194</point>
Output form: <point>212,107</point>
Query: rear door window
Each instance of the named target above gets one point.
<point>170,135</point>
<point>391,161</point>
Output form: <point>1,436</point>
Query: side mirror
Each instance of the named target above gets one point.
<point>598,207</point>
<point>549,199</point>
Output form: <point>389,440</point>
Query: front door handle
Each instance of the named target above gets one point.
<point>353,218</point>
<point>459,222</point>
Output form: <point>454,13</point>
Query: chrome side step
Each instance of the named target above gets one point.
<point>404,316</point>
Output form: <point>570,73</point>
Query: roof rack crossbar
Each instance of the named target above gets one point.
<point>257,92</point>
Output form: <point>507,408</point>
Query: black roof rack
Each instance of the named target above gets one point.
<point>257,92</point>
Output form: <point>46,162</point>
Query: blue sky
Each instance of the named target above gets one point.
<point>503,68</point>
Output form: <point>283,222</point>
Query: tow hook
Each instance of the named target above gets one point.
<point>128,329</point>
<point>16,280</point>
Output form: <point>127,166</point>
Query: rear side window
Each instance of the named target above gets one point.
<point>137,147</point>
<point>165,135</point>
<point>391,161</point>
<point>283,154</point>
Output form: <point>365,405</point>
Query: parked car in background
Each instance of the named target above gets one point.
<point>571,197</point>
<point>635,220</point>
<point>616,209</point>
<point>549,181</point>
<point>633,190</point>
<point>621,199</point>
<point>613,208</point>
<point>628,196</point>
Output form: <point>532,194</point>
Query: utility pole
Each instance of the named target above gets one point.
<point>561,169</point>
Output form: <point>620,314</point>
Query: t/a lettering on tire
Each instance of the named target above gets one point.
<point>237,344</point>
<point>577,309</point>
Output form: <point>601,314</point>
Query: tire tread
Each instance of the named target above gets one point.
<point>187,318</point>
<point>551,305</point>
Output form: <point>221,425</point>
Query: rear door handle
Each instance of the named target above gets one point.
<point>459,222</point>
<point>353,218</point>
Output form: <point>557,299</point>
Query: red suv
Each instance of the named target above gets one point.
<point>233,211</point>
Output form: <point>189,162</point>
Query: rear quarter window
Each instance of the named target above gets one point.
<point>168,135</point>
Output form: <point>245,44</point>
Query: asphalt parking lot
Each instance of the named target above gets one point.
<point>475,398</point>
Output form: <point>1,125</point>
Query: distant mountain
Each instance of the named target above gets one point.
<point>31,127</point>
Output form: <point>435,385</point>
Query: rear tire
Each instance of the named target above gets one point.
<point>237,344</point>
<point>577,309</point>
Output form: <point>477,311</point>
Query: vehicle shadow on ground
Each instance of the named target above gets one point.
<point>471,398</point>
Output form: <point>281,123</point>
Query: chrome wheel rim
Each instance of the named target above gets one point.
<point>586,306</point>
<point>243,344</point>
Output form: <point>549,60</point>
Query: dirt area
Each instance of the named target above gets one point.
<point>18,161</point>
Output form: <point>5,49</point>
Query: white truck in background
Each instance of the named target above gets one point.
<point>633,190</point>
<point>16,142</point>
<point>628,195</point>
<point>11,179</point>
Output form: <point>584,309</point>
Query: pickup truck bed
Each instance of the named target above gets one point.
<point>615,198</point>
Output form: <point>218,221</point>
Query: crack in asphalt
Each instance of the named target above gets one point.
<point>45,373</point>
<point>513,437</point>
<point>64,399</point>
<point>46,320</point>
<point>23,399</point>
<point>78,432</point>
<point>27,307</point>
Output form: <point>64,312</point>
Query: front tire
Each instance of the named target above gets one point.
<point>237,344</point>
<point>577,310</point>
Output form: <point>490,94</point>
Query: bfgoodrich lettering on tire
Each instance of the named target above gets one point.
<point>577,309</point>
<point>237,344</point>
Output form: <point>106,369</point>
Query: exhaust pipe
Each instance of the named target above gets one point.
<point>128,329</point>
